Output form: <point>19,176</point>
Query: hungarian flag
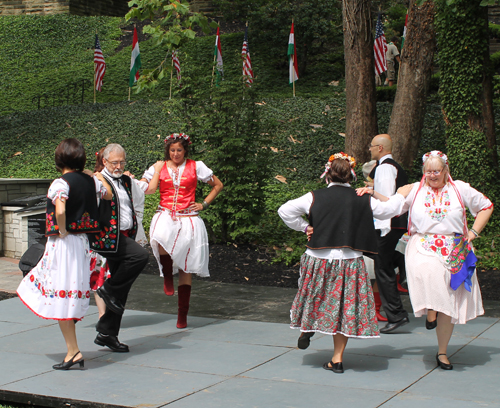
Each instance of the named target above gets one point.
<point>380,48</point>
<point>218,58</point>
<point>292,56</point>
<point>135,61</point>
<point>247,62</point>
<point>404,32</point>
<point>99,65</point>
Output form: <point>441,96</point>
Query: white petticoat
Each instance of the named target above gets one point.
<point>58,287</point>
<point>429,286</point>
<point>185,240</point>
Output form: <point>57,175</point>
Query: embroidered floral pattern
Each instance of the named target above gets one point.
<point>441,245</point>
<point>50,223</point>
<point>85,223</point>
<point>458,254</point>
<point>437,207</point>
<point>59,294</point>
<point>334,297</point>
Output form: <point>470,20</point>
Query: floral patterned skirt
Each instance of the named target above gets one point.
<point>334,296</point>
<point>58,287</point>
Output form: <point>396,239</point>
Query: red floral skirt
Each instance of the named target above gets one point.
<point>334,296</point>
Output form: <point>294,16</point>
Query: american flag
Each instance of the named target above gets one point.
<point>177,65</point>
<point>380,48</point>
<point>247,62</point>
<point>99,65</point>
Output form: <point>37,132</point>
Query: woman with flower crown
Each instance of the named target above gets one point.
<point>440,261</point>
<point>178,236</point>
<point>335,295</point>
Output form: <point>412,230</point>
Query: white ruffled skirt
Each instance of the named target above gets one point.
<point>184,239</point>
<point>58,287</point>
<point>429,286</point>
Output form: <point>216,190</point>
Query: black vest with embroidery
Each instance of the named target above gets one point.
<point>342,219</point>
<point>401,221</point>
<point>81,206</point>
<point>108,238</point>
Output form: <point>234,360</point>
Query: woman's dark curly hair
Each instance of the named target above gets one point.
<point>170,142</point>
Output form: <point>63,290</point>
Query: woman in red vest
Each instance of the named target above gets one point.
<point>178,235</point>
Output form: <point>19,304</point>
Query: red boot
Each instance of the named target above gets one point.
<point>183,302</point>
<point>400,288</point>
<point>378,304</point>
<point>168,278</point>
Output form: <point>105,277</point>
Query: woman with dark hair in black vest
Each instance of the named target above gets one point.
<point>59,286</point>
<point>335,295</point>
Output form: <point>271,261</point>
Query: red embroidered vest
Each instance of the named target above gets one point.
<point>178,197</point>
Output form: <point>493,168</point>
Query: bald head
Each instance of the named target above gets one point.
<point>381,145</point>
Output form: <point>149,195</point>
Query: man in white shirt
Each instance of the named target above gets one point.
<point>126,258</point>
<point>388,176</point>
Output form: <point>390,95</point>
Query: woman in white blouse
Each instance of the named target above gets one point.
<point>335,295</point>
<point>178,235</point>
<point>439,259</point>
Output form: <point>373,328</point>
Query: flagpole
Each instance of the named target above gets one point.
<point>94,69</point>
<point>171,76</point>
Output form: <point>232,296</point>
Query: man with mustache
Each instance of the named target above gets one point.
<point>126,258</point>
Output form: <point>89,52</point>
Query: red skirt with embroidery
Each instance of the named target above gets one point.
<point>334,296</point>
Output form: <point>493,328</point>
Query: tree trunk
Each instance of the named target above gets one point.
<point>361,108</point>
<point>486,97</point>
<point>415,71</point>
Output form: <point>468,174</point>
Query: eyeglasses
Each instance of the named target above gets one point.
<point>116,163</point>
<point>433,172</point>
<point>373,146</point>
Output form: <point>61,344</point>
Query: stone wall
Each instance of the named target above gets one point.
<point>13,7</point>
<point>116,8</point>
<point>14,226</point>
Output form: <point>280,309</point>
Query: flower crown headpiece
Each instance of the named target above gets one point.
<point>435,153</point>
<point>343,156</point>
<point>178,136</point>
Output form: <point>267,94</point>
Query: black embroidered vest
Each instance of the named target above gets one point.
<point>401,221</point>
<point>108,238</point>
<point>81,206</point>
<point>342,219</point>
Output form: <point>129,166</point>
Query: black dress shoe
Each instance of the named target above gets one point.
<point>111,302</point>
<point>112,342</point>
<point>443,366</point>
<point>389,327</point>
<point>335,367</point>
<point>304,340</point>
<point>66,365</point>
<point>431,325</point>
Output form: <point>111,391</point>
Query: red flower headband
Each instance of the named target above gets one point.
<point>178,136</point>
<point>435,153</point>
<point>343,156</point>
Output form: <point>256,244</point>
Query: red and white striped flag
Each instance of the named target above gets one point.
<point>247,62</point>
<point>99,65</point>
<point>292,56</point>
<point>380,48</point>
<point>218,57</point>
<point>177,65</point>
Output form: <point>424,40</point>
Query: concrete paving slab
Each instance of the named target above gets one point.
<point>250,393</point>
<point>474,384</point>
<point>361,371</point>
<point>245,332</point>
<point>116,384</point>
